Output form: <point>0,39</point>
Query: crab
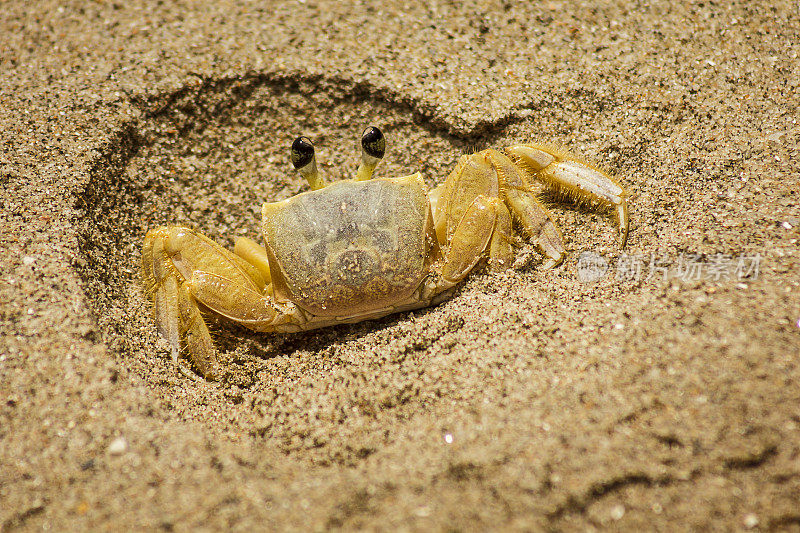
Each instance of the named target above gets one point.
<point>364,248</point>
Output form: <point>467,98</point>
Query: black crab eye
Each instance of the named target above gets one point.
<point>302,152</point>
<point>373,142</point>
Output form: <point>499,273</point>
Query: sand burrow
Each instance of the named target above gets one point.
<point>208,156</point>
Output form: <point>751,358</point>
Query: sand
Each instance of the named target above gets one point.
<point>533,399</point>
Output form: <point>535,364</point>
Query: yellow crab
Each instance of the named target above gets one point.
<point>363,248</point>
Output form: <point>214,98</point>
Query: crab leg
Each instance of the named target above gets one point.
<point>501,250</point>
<point>174,313</point>
<point>162,287</point>
<point>196,335</point>
<point>450,201</point>
<point>240,303</point>
<point>174,261</point>
<point>534,218</point>
<point>255,254</point>
<point>438,212</point>
<point>485,226</point>
<point>578,180</point>
<point>493,174</point>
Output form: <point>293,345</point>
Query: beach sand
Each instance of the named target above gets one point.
<point>534,398</point>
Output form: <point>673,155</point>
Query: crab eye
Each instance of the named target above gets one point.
<point>373,142</point>
<point>302,152</point>
<point>302,155</point>
<point>373,146</point>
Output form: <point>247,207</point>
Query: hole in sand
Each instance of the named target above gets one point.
<point>208,157</point>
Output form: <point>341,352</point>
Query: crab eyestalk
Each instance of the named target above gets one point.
<point>373,146</point>
<point>305,162</point>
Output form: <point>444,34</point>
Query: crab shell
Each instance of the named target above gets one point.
<point>352,248</point>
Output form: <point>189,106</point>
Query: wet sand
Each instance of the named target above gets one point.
<point>663,395</point>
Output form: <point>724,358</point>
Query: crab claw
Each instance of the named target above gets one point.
<point>576,179</point>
